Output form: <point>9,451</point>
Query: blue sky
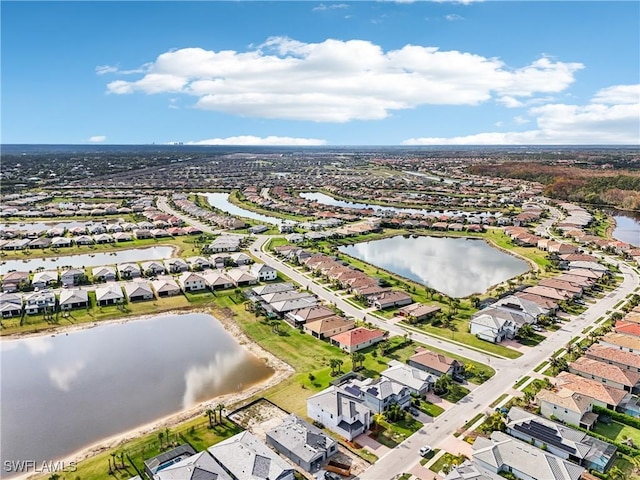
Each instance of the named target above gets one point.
<point>333,73</point>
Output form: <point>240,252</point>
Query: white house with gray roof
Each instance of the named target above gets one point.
<point>340,412</point>
<point>73,298</point>
<point>502,453</point>
<point>37,302</point>
<point>301,442</point>
<point>470,471</point>
<point>44,279</point>
<point>416,380</point>
<point>201,466</point>
<point>247,458</point>
<point>109,295</point>
<point>265,273</point>
<point>379,393</point>
<point>563,441</point>
<point>166,286</point>
<point>129,270</point>
<point>273,288</point>
<point>138,291</point>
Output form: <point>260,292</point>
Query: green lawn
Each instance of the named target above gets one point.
<point>430,409</point>
<point>455,393</point>
<point>446,460</point>
<point>498,400</point>
<point>618,432</point>
<point>541,366</point>
<point>392,434</point>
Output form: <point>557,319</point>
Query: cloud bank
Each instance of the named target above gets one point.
<point>611,117</point>
<point>338,81</point>
<point>253,140</point>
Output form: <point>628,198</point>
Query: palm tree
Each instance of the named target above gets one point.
<point>616,474</point>
<point>220,407</point>
<point>160,440</point>
<point>334,363</point>
<point>475,301</point>
<point>210,413</point>
<point>357,360</point>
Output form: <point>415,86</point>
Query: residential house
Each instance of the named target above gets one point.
<point>171,457</point>
<point>273,288</point>
<point>138,291</point>
<point>10,305</point>
<point>104,274</point>
<point>378,394</point>
<point>73,298</point>
<point>282,307</point>
<point>217,281</point>
<point>358,338</point>
<point>418,311</point>
<point>152,268</point>
<point>176,265</point>
<point>607,374</point>
<point>470,471</point>
<point>304,444</point>
<point>37,302</point>
<point>71,277</point>
<point>166,286</point>
<point>263,272</point>
<point>60,242</point>
<point>600,395</point>
<point>192,282</point>
<point>564,442</point>
<point>614,356</point>
<point>13,281</point>
<point>514,303</point>
<point>110,294</point>
<point>327,326</point>
<point>241,277</point>
<point>245,457</point>
<point>436,363</point>
<point>129,271</point>
<point>42,242</point>
<point>340,412</point>
<point>225,243</point>
<point>198,263</point>
<point>200,466</point>
<point>627,327</point>
<point>417,381</point>
<point>303,315</point>
<point>44,279</point>
<point>621,341</point>
<point>502,453</point>
<point>241,258</point>
<point>393,298</point>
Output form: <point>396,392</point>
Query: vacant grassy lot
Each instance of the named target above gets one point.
<point>618,432</point>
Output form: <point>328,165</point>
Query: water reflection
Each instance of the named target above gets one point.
<point>64,392</point>
<point>457,267</point>
<point>328,200</point>
<point>221,202</point>
<point>627,226</point>
<point>88,259</point>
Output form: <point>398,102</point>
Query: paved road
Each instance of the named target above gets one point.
<point>405,456</point>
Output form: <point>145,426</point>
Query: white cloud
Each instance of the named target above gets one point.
<point>562,124</point>
<point>103,69</point>
<point>339,81</point>
<point>253,140</point>
<point>61,377</point>
<point>453,17</point>
<point>97,138</point>
<point>332,6</point>
<point>520,120</point>
<point>618,94</point>
<point>499,124</point>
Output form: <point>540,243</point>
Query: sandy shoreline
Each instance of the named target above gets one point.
<point>282,372</point>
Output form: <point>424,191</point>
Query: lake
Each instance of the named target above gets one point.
<point>62,393</point>
<point>627,226</point>
<point>88,259</point>
<point>42,226</point>
<point>329,200</point>
<point>221,202</point>
<point>457,267</point>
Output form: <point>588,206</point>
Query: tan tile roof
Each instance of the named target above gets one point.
<point>622,340</point>
<point>328,324</point>
<point>597,368</point>
<point>435,361</point>
<point>614,355</point>
<point>567,399</point>
<point>590,388</point>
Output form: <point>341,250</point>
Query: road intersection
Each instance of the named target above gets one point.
<point>508,371</point>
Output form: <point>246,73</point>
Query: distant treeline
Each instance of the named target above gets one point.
<point>572,183</point>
